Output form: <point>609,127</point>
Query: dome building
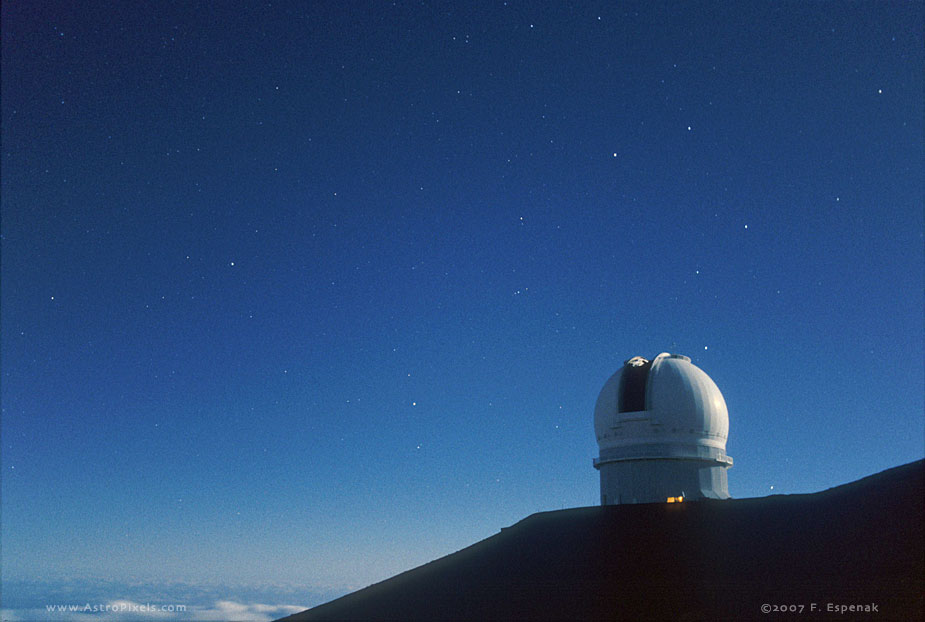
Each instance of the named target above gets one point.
<point>661,427</point>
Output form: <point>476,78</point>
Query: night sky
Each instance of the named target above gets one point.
<point>307,294</point>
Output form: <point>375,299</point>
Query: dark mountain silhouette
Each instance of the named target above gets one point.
<point>857,544</point>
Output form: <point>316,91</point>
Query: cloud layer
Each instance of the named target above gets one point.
<point>125,610</point>
<point>100,600</point>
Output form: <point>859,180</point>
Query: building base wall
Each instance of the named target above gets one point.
<point>653,481</point>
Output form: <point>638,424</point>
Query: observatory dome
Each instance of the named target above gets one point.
<point>656,421</point>
<point>666,400</point>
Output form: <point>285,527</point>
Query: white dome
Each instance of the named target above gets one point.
<point>668,404</point>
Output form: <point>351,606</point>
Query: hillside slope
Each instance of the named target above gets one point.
<point>857,544</point>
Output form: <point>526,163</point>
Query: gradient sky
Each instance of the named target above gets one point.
<point>312,293</point>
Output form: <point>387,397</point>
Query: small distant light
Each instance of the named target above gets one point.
<point>880,91</point>
<point>705,347</point>
<point>614,154</point>
<point>414,403</point>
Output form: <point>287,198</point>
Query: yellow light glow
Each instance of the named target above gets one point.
<point>675,499</point>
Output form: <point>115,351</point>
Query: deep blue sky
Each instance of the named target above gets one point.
<point>317,292</point>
